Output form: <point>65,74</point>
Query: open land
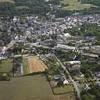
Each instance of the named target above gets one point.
<point>35,64</point>
<point>29,88</point>
<point>64,89</point>
<point>6,65</point>
<point>10,1</point>
<point>75,5</point>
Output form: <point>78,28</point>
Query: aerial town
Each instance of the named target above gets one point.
<point>50,58</point>
<point>46,47</point>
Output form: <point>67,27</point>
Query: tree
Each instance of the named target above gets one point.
<point>88,97</point>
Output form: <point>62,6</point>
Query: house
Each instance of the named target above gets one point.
<point>97,74</point>
<point>90,55</point>
<point>98,84</point>
<point>73,65</point>
<point>65,47</point>
<point>60,79</point>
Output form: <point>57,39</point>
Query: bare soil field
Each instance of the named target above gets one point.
<point>36,65</point>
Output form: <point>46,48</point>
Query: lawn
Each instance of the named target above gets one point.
<point>64,89</point>
<point>75,5</point>
<point>6,65</point>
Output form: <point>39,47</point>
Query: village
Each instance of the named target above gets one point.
<point>31,45</point>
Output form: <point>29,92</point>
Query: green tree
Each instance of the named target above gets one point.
<point>88,97</point>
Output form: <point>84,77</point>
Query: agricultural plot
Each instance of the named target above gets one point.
<point>75,5</point>
<point>33,64</point>
<point>6,65</point>
<point>10,1</point>
<point>34,87</point>
<point>64,89</point>
<point>25,88</point>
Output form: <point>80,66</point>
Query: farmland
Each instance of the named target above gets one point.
<point>75,5</point>
<point>6,65</point>
<point>25,88</point>
<point>36,65</point>
<point>29,88</point>
<point>10,1</point>
<point>25,64</point>
<point>64,89</point>
<point>33,64</point>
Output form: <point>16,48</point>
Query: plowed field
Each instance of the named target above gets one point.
<point>35,64</point>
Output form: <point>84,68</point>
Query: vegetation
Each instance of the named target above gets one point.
<point>91,94</point>
<point>6,65</point>
<point>25,66</point>
<point>53,67</point>
<point>63,89</point>
<point>41,7</point>
<point>95,2</point>
<point>26,87</point>
<point>75,5</point>
<point>19,7</point>
<point>86,30</point>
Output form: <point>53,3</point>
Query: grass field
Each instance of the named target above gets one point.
<point>75,5</point>
<point>29,88</point>
<point>25,88</point>
<point>65,89</point>
<point>11,1</point>
<point>6,65</point>
<point>25,64</point>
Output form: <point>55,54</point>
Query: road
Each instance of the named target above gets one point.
<point>74,83</point>
<point>11,44</point>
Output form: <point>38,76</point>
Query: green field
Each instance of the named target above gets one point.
<point>64,89</point>
<point>25,88</point>
<point>10,1</point>
<point>25,64</point>
<point>29,88</point>
<point>6,65</point>
<point>75,5</point>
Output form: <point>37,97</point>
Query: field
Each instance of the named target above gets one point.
<point>11,1</point>
<point>33,64</point>
<point>25,88</point>
<point>75,5</point>
<point>25,64</point>
<point>29,88</point>
<point>6,65</point>
<point>65,89</point>
<point>36,65</point>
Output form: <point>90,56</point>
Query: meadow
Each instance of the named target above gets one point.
<point>75,5</point>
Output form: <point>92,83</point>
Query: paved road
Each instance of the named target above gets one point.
<point>74,83</point>
<point>11,44</point>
